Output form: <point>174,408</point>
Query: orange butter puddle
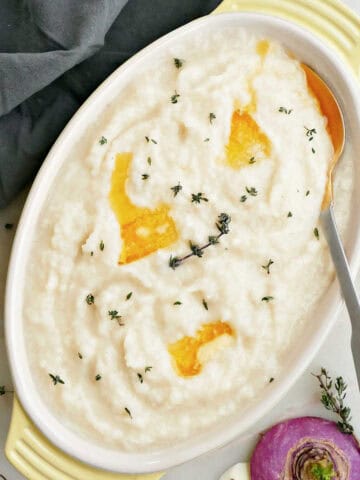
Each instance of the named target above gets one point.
<point>143,230</point>
<point>246,141</point>
<point>189,353</point>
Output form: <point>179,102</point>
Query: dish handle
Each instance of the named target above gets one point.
<point>37,459</point>
<point>331,20</point>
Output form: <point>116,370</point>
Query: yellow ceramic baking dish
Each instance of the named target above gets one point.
<point>27,448</point>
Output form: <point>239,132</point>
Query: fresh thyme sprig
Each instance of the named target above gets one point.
<point>332,397</point>
<point>222,225</point>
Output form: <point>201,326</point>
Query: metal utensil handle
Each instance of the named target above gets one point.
<point>344,276</point>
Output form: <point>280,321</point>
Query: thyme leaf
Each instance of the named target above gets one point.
<point>198,197</point>
<point>176,189</point>
<point>287,111</point>
<point>267,266</point>
<point>114,315</point>
<point>251,191</point>
<point>90,299</point>
<point>56,379</point>
<point>148,139</point>
<point>178,62</point>
<point>174,98</point>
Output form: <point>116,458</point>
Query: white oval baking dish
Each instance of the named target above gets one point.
<point>308,49</point>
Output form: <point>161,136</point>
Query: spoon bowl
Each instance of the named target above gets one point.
<point>330,108</point>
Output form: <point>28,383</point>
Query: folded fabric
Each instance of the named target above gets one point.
<point>53,54</point>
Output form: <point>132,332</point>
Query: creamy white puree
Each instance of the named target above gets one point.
<point>218,70</point>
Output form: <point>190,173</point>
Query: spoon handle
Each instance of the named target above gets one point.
<point>346,283</point>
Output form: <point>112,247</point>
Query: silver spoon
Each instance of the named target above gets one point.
<point>336,127</point>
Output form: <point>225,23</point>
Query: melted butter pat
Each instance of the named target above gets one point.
<point>143,230</point>
<point>246,141</point>
<point>190,353</point>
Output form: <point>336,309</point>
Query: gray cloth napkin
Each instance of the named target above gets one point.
<point>53,54</point>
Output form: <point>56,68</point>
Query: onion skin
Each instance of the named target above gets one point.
<point>273,456</point>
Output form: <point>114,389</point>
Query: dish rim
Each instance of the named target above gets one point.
<point>66,439</point>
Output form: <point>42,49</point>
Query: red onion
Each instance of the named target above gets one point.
<point>306,448</point>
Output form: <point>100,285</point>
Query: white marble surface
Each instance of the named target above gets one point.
<point>303,399</point>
